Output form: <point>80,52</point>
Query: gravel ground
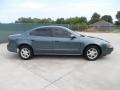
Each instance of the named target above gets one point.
<point>61,72</point>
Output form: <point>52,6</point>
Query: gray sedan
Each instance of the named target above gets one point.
<point>57,40</point>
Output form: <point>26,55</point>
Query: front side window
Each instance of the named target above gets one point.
<point>60,32</point>
<point>41,32</point>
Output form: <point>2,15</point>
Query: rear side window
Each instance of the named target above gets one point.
<point>41,32</point>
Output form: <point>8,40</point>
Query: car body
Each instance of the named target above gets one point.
<point>57,40</point>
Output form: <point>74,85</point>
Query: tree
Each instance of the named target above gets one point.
<point>107,18</point>
<point>72,20</point>
<point>45,20</point>
<point>77,23</point>
<point>84,20</point>
<point>24,20</point>
<point>34,20</point>
<point>76,20</point>
<point>118,16</point>
<point>95,18</point>
<point>60,21</point>
<point>117,23</point>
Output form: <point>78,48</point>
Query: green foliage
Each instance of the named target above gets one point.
<point>73,20</point>
<point>117,23</point>
<point>60,21</point>
<point>76,20</point>
<point>34,20</point>
<point>24,20</point>
<point>118,16</point>
<point>95,18</point>
<point>116,31</point>
<point>107,18</point>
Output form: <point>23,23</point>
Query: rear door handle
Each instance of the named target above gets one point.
<point>57,41</point>
<point>32,40</point>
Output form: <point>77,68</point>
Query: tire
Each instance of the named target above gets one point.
<point>92,53</point>
<point>25,52</point>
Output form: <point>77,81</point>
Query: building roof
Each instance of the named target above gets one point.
<point>102,23</point>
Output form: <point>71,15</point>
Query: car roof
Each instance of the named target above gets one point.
<point>49,26</point>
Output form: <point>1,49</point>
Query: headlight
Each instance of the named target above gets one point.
<point>109,45</point>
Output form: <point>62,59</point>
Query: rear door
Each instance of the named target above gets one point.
<point>42,40</point>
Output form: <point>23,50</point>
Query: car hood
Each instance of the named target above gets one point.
<point>92,39</point>
<point>96,38</point>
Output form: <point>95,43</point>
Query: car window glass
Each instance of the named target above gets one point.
<point>41,32</point>
<point>60,32</point>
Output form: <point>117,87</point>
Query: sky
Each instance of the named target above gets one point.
<point>11,10</point>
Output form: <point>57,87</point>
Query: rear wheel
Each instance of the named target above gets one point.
<point>25,52</point>
<point>92,53</point>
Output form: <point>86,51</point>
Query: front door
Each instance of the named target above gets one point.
<point>63,43</point>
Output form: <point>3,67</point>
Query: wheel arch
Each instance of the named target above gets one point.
<point>25,44</point>
<point>93,45</point>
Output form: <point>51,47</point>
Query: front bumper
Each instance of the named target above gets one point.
<point>107,51</point>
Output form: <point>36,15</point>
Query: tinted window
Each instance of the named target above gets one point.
<point>41,32</point>
<point>60,32</point>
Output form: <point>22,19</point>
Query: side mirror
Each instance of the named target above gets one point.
<point>72,36</point>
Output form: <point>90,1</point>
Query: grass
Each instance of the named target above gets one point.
<point>116,31</point>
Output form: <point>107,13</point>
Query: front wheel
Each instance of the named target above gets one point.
<point>92,53</point>
<point>25,52</point>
